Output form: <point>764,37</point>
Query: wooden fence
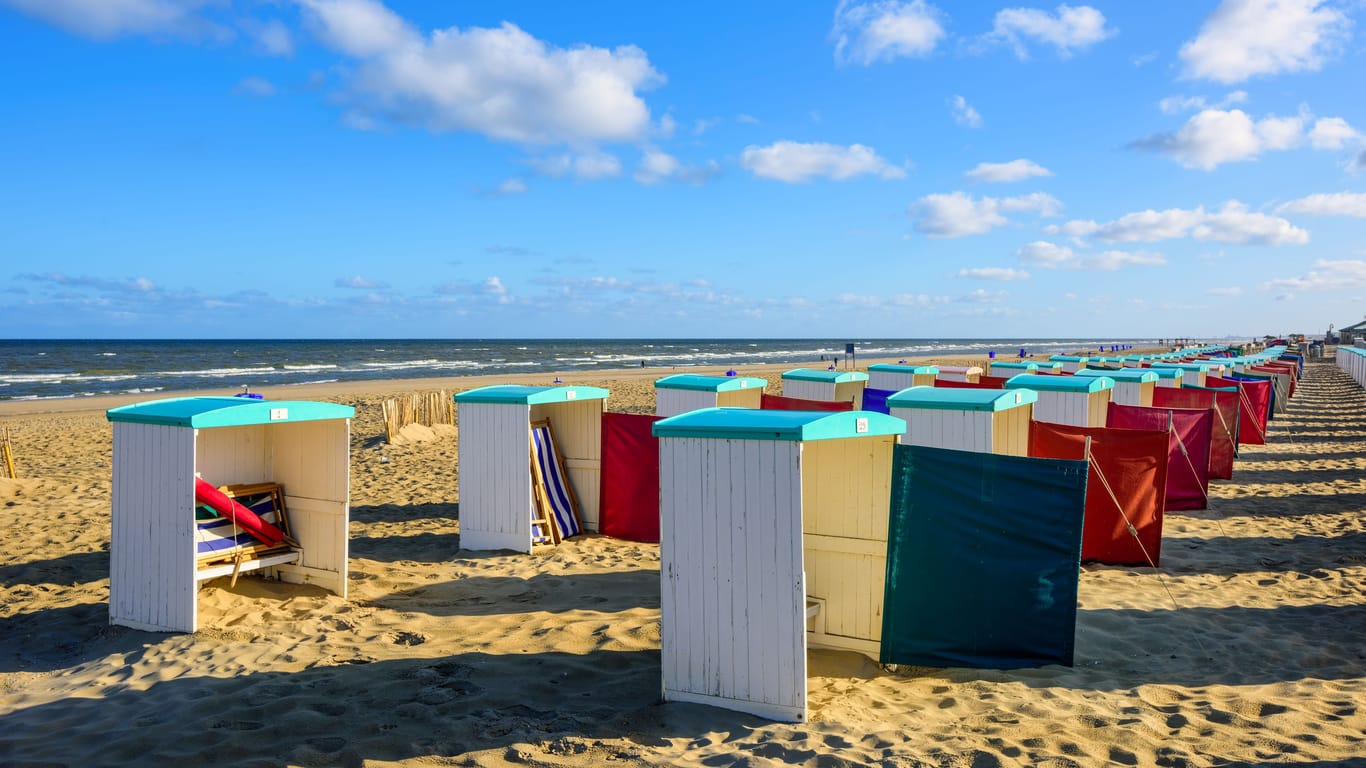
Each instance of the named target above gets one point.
<point>428,408</point>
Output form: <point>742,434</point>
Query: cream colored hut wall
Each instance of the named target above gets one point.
<point>152,552</point>
<point>846,492</point>
<point>732,597</point>
<point>1098,408</point>
<point>847,391</point>
<point>311,459</point>
<point>749,397</point>
<point>1145,393</point>
<point>231,455</point>
<point>495,476</point>
<point>671,402</point>
<point>1010,430</point>
<point>578,434</point>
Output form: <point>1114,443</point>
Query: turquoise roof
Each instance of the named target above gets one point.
<point>1202,367</point>
<point>752,424</point>
<point>516,394</point>
<point>1025,366</point>
<point>912,369</point>
<point>945,399</point>
<point>1164,373</point>
<point>207,412</point>
<point>829,377</point>
<point>697,381</point>
<point>1127,375</point>
<point>1039,383</point>
<point>1069,358</point>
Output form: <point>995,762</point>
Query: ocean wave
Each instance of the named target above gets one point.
<point>315,367</point>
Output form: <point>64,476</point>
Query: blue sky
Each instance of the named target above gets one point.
<point>356,168</point>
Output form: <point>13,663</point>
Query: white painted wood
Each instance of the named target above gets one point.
<point>893,380</point>
<point>152,557</point>
<point>494,455</point>
<point>671,402</point>
<point>736,501</point>
<point>1131,392</point>
<point>1064,408</point>
<point>809,390</point>
<point>939,428</point>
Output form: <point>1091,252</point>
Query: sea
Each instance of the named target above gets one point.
<point>43,369</point>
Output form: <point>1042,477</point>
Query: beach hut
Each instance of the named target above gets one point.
<point>293,456</point>
<point>800,501</point>
<point>1191,373</point>
<point>830,386</point>
<point>1353,361</point>
<point>1133,386</point>
<point>982,420</point>
<point>1012,367</point>
<point>966,373</point>
<point>1077,400</point>
<point>690,391</point>
<point>1070,363</point>
<point>899,377</point>
<point>498,483</point>
<point>1167,377</point>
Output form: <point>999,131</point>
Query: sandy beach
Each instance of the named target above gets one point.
<point>1249,650</point>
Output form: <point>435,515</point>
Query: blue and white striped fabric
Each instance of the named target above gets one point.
<point>216,535</point>
<point>556,485</point>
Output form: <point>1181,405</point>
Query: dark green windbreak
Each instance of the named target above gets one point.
<point>983,557</point>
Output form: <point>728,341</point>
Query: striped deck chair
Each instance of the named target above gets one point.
<point>217,538</point>
<point>553,493</point>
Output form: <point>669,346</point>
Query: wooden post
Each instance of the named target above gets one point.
<point>9,455</point>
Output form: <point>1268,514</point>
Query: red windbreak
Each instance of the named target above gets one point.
<point>1187,470</point>
<point>1133,463</point>
<point>1224,440</point>
<point>629,502</point>
<point>1254,404</point>
<point>775,403</point>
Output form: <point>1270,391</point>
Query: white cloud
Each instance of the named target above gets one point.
<point>746,119</point>
<point>1015,170</point>
<point>1333,133</point>
<point>1233,223</point>
<point>358,282</point>
<point>1224,292</point>
<point>1246,38</point>
<point>958,214</point>
<point>1334,204</point>
<point>273,38</point>
<point>656,166</point>
<point>254,86</point>
<point>964,114</point>
<point>1176,104</point>
<point>1326,275</point>
<point>513,186</point>
<point>1213,137</point>
<point>882,30</point>
<point>1072,28</point>
<point>1045,254</point>
<point>983,296</point>
<point>502,82</point>
<point>993,273</point>
<point>109,19</point>
<point>1111,261</point>
<point>586,165</point>
<point>795,162</point>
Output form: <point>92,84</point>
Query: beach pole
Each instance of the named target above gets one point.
<point>8,450</point>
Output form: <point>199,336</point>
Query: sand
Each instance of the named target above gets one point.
<point>443,657</point>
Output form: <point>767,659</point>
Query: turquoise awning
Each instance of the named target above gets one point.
<point>752,424</point>
<point>208,412</point>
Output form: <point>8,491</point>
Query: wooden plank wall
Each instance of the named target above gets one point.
<point>1131,393</point>
<point>1064,408</point>
<point>1098,408</point>
<point>671,402</point>
<point>231,455</point>
<point>959,430</point>
<point>578,434</point>
<point>495,476</point>
<point>893,380</point>
<point>846,391</point>
<point>732,591</point>
<point>1010,431</point>
<point>741,398</point>
<point>312,459</point>
<point>151,550</point>
<point>808,390</point>
<point>846,495</point>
